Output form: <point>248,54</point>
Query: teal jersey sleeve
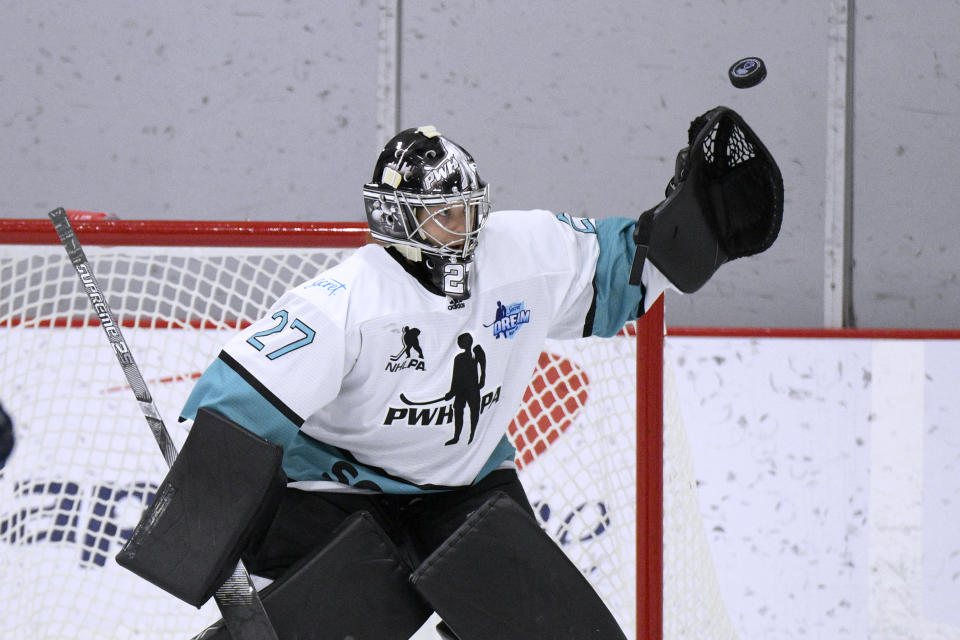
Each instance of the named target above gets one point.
<point>616,301</point>
<point>226,388</point>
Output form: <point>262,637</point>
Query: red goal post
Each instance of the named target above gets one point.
<point>78,475</point>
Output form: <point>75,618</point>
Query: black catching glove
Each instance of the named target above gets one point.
<point>725,201</point>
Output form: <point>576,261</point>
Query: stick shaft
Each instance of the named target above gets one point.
<point>112,330</point>
<point>237,598</point>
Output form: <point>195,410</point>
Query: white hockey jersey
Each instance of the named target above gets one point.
<point>373,383</point>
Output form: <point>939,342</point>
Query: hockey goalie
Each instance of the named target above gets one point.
<point>351,444</point>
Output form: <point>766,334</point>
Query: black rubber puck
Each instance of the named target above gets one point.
<point>748,72</point>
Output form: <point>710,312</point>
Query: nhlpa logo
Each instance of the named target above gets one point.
<point>405,359</point>
<point>509,319</point>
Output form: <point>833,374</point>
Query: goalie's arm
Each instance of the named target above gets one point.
<point>272,375</point>
<point>616,299</point>
<point>228,389</point>
<point>592,259</point>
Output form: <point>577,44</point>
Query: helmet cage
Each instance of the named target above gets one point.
<point>392,215</point>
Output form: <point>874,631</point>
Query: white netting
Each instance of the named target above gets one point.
<point>86,464</point>
<point>691,593</point>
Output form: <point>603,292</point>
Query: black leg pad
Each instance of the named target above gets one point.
<point>355,587</point>
<point>219,495</point>
<point>500,576</point>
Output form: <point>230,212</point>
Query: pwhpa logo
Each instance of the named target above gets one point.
<point>509,319</point>
<point>465,395</point>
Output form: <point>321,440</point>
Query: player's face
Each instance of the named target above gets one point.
<point>444,225</point>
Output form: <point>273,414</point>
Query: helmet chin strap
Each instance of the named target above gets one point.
<point>413,254</point>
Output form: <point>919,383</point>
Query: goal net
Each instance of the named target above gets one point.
<point>85,464</point>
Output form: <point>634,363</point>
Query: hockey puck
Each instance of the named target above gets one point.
<point>748,72</point>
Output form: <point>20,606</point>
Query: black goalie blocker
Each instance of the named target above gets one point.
<point>725,201</point>
<point>219,496</point>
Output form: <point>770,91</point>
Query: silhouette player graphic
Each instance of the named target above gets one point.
<point>469,374</point>
<point>501,314</point>
<point>411,340</point>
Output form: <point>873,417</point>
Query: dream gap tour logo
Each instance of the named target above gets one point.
<point>509,319</point>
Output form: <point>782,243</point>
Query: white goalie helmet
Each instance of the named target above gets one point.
<point>427,199</point>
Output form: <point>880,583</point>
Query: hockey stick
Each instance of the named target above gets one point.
<point>408,401</point>
<point>237,598</point>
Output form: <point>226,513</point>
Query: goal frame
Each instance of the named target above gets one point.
<point>91,228</point>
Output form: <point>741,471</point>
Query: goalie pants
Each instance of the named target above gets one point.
<point>417,524</point>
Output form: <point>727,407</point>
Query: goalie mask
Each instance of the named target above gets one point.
<point>427,199</point>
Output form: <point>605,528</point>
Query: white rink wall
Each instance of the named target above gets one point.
<point>275,111</point>
<point>829,473</point>
<point>829,484</point>
<point>829,481</point>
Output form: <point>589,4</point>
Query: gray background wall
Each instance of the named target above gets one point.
<point>269,111</point>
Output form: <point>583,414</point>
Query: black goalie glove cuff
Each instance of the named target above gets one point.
<point>725,201</point>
